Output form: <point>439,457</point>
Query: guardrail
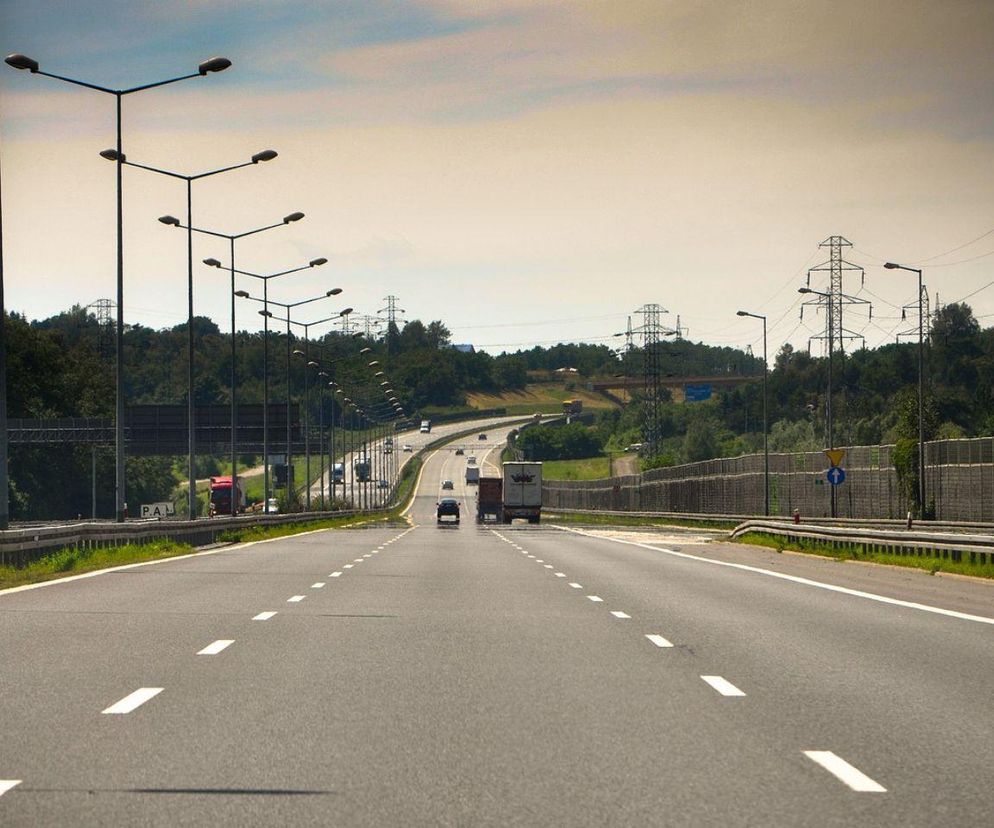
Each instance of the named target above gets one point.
<point>944,545</point>
<point>882,523</point>
<point>18,547</point>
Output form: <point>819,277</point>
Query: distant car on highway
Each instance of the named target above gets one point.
<point>460,451</point>
<point>447,507</point>
<point>406,447</point>
<point>447,484</point>
<point>382,484</point>
<point>482,436</point>
<point>471,460</point>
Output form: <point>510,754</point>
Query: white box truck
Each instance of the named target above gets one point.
<point>472,475</point>
<point>425,426</point>
<point>522,491</point>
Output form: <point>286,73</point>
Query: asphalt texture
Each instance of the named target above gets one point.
<point>464,675</point>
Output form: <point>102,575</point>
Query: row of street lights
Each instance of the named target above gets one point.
<point>117,155</point>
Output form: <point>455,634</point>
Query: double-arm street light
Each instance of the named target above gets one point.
<point>120,158</point>
<point>766,430</point>
<point>288,307</point>
<point>266,314</point>
<point>921,385</point>
<point>215,64</point>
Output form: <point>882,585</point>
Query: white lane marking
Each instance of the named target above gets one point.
<point>371,554</point>
<point>263,616</point>
<point>723,686</point>
<point>539,560</point>
<point>595,598</point>
<point>133,700</point>
<point>560,574</point>
<point>295,599</point>
<point>858,593</point>
<point>357,560</point>
<point>549,566</point>
<point>846,773</point>
<point>7,784</point>
<point>531,556</point>
<point>659,641</point>
<point>620,614</point>
<point>335,574</point>
<point>217,646</point>
<point>575,585</point>
<point>347,566</point>
<point>317,585</point>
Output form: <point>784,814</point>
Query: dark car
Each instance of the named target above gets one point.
<point>448,507</point>
<point>460,451</point>
<point>482,437</point>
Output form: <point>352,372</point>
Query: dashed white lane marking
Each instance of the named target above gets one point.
<point>357,560</point>
<point>335,575</point>
<point>7,784</point>
<point>133,700</point>
<point>318,585</point>
<point>539,560</point>
<point>531,556</point>
<point>723,686</point>
<point>846,773</point>
<point>295,599</point>
<point>217,646</point>
<point>263,616</point>
<point>549,566</point>
<point>620,614</point>
<point>595,598</point>
<point>659,641</point>
<point>870,596</point>
<point>370,555</point>
<point>348,566</point>
<point>575,585</point>
<point>560,574</point>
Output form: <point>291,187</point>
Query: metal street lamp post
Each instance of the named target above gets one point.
<point>831,357</point>
<point>766,430</point>
<point>215,64</point>
<point>921,385</point>
<point>114,155</point>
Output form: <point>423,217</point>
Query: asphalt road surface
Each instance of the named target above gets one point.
<point>413,674</point>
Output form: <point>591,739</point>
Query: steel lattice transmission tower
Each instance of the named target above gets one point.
<point>103,312</point>
<point>835,299</point>
<point>391,309</point>
<point>926,317</point>
<point>652,332</point>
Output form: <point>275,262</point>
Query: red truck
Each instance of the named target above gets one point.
<point>221,497</point>
<point>490,499</point>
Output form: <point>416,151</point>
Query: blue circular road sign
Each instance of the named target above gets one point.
<point>836,475</point>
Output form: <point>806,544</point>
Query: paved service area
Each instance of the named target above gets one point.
<point>411,674</point>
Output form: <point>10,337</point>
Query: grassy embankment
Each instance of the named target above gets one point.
<point>550,514</point>
<point>859,552</point>
<point>588,468</point>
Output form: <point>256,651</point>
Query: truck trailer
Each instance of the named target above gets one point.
<point>489,500</point>
<point>472,475</point>
<point>522,491</point>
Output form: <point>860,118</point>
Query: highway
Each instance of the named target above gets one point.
<point>411,674</point>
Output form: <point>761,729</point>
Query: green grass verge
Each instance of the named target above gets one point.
<point>634,520</point>
<point>71,561</point>
<point>587,468</point>
<point>256,533</point>
<point>859,552</point>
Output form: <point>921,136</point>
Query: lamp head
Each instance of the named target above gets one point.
<point>243,294</point>
<point>365,350</point>
<point>292,217</point>
<point>265,155</point>
<point>21,62</point>
<point>317,262</point>
<point>333,292</point>
<point>214,64</point>
<point>804,290</point>
<point>113,155</point>
<point>297,352</point>
<point>891,266</point>
<point>212,262</point>
<point>171,220</point>
<point>741,313</point>
<point>266,313</point>
<point>346,312</point>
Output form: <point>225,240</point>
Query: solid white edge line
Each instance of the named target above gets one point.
<point>264,616</point>
<point>295,599</point>
<point>620,614</point>
<point>217,646</point>
<point>858,593</point>
<point>723,686</point>
<point>658,640</point>
<point>133,700</point>
<point>7,784</point>
<point>844,772</point>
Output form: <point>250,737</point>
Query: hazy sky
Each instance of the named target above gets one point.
<point>528,171</point>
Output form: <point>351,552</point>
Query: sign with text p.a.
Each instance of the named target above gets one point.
<point>696,393</point>
<point>158,510</point>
